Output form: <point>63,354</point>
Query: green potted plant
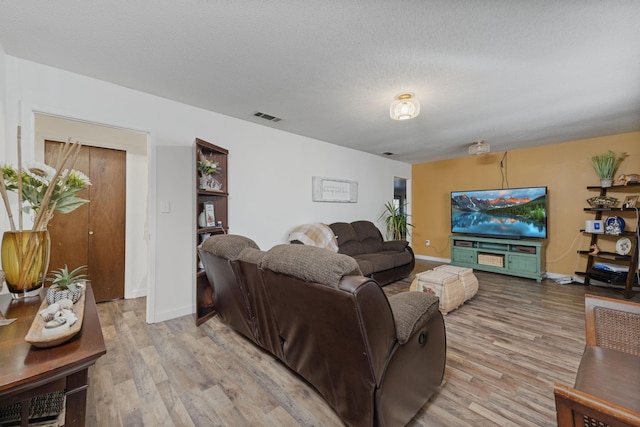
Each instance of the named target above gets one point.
<point>395,220</point>
<point>65,284</point>
<point>606,164</point>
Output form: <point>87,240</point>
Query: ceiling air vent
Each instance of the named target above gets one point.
<point>479,147</point>
<point>388,153</point>
<point>267,117</point>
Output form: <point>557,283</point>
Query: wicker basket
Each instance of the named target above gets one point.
<point>466,276</point>
<point>44,410</point>
<point>491,259</point>
<point>446,286</point>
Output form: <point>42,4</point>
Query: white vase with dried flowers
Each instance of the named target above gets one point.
<point>41,191</point>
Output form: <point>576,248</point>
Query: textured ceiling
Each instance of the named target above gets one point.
<point>514,73</point>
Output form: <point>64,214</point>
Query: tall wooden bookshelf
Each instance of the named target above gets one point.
<point>212,192</point>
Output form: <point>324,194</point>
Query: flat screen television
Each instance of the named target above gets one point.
<point>512,213</point>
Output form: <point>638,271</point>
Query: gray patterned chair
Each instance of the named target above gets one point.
<point>607,387</point>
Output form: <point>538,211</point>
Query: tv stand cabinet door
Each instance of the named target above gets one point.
<point>464,256</point>
<point>526,264</point>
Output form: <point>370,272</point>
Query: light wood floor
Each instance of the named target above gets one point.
<point>505,348</point>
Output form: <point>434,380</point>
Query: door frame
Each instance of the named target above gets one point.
<point>139,274</point>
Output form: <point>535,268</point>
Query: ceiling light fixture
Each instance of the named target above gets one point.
<point>479,147</point>
<point>405,107</point>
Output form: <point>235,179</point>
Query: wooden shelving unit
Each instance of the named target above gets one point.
<point>219,199</point>
<point>631,218</point>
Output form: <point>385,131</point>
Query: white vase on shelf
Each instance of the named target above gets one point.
<point>202,219</point>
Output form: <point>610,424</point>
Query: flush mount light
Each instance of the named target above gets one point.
<point>479,147</point>
<point>404,107</point>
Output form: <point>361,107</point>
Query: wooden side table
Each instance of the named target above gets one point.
<point>27,371</point>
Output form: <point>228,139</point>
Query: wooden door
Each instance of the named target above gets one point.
<point>94,234</point>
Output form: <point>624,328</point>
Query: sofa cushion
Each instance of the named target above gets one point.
<point>348,242</point>
<point>411,312</point>
<point>310,264</point>
<point>227,246</point>
<point>399,258</point>
<point>379,261</point>
<point>366,267</point>
<point>610,374</point>
<point>369,235</point>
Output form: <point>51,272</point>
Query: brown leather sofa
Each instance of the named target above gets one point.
<point>383,261</point>
<point>375,360</point>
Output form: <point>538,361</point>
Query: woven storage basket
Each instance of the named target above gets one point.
<point>446,286</point>
<point>414,284</point>
<point>490,259</point>
<point>466,276</point>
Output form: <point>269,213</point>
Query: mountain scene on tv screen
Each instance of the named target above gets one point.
<point>508,213</point>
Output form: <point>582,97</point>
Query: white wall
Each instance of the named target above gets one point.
<point>3,98</point>
<point>269,173</point>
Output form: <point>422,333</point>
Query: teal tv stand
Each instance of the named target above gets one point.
<point>523,258</point>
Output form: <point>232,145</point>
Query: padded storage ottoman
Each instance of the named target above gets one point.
<point>468,279</point>
<point>446,286</point>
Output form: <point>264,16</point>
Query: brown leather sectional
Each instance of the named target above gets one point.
<point>375,360</point>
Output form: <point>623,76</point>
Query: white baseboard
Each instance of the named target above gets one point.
<point>135,293</point>
<point>171,314</point>
<point>431,258</point>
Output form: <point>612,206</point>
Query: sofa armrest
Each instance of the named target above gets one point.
<point>411,312</point>
<point>572,403</point>
<point>395,245</point>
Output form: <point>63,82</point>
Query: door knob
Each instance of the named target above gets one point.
<point>91,233</point>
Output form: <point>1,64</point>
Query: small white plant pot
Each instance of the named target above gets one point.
<point>55,294</point>
<point>606,182</point>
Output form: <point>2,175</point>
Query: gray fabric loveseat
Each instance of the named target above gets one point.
<point>375,360</point>
<point>384,261</point>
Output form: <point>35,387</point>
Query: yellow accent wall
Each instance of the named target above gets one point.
<point>566,170</point>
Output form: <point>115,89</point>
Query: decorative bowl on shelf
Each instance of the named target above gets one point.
<point>614,225</point>
<point>602,202</point>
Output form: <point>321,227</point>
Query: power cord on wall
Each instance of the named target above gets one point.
<point>569,249</point>
<point>438,251</point>
<point>502,166</point>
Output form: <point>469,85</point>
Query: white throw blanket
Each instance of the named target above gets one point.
<point>316,234</point>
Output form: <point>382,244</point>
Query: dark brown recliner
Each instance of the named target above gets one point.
<point>375,360</point>
<point>230,297</point>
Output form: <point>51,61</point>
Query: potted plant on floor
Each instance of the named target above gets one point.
<point>606,165</point>
<point>395,220</point>
<point>66,284</point>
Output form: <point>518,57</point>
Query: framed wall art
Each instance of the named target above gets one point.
<point>210,215</point>
<point>334,190</point>
<point>630,202</point>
